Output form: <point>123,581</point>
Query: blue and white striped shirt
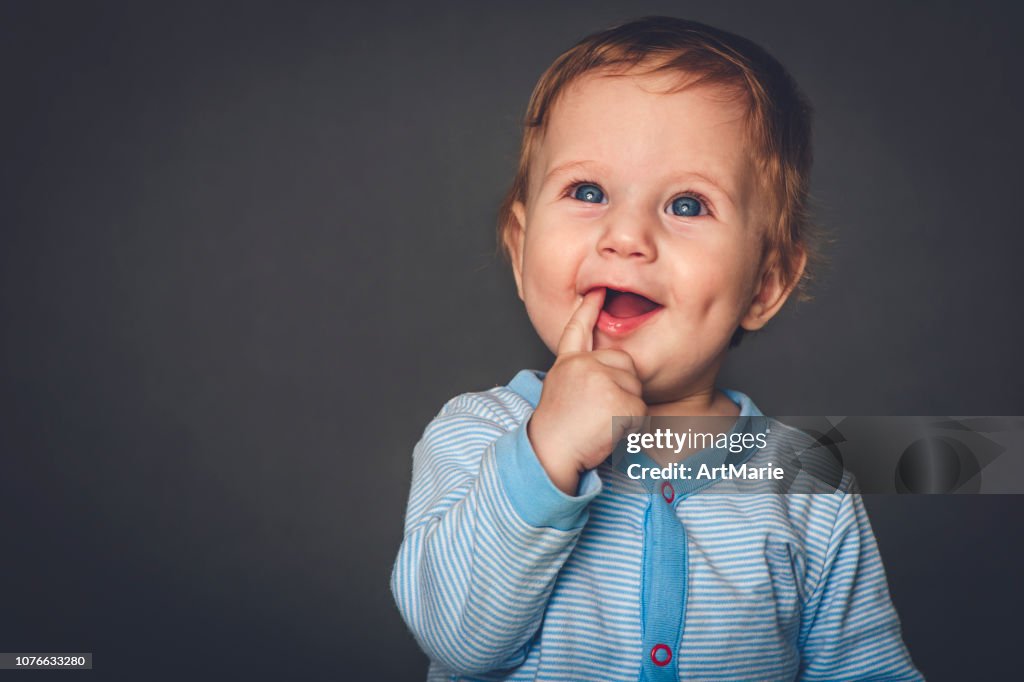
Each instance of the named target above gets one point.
<point>502,576</point>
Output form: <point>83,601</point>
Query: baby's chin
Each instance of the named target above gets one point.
<point>666,383</point>
<point>605,342</point>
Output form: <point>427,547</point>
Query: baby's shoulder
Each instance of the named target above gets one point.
<point>469,422</point>
<point>813,488</point>
<point>500,405</point>
<point>810,463</point>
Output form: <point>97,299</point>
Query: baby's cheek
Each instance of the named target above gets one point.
<point>547,309</point>
<point>544,323</point>
<point>704,291</point>
<point>711,304</point>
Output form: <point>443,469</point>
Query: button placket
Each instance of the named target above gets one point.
<point>664,583</point>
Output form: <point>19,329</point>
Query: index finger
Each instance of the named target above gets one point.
<point>578,334</point>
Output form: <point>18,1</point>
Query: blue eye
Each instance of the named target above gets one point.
<point>588,193</point>
<point>687,206</point>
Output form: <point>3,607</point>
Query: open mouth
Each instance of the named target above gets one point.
<point>626,304</point>
<point>625,311</point>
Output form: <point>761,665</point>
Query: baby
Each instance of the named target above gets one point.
<point>658,213</point>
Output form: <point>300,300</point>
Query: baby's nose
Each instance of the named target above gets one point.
<point>627,238</point>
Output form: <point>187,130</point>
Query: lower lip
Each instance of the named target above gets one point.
<point>620,326</point>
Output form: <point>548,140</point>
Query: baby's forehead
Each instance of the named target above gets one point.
<point>652,87</point>
<point>600,106</point>
<point>645,125</point>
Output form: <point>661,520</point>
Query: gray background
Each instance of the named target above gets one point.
<point>247,253</point>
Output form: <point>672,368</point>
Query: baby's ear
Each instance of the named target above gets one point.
<point>515,234</point>
<point>771,292</point>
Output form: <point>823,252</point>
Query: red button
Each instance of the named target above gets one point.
<point>668,492</point>
<point>661,654</point>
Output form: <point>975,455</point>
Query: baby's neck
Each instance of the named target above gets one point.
<point>712,403</point>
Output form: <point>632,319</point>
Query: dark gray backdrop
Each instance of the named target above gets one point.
<point>247,253</point>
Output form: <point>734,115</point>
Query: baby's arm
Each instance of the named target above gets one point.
<point>850,629</point>
<point>486,533</point>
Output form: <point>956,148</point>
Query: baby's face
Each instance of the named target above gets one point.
<point>654,194</point>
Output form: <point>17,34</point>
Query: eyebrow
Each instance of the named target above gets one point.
<point>706,177</point>
<point>566,167</point>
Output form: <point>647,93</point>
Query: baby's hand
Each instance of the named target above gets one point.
<point>571,429</point>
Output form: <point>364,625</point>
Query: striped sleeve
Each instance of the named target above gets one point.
<point>850,628</point>
<point>486,533</point>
